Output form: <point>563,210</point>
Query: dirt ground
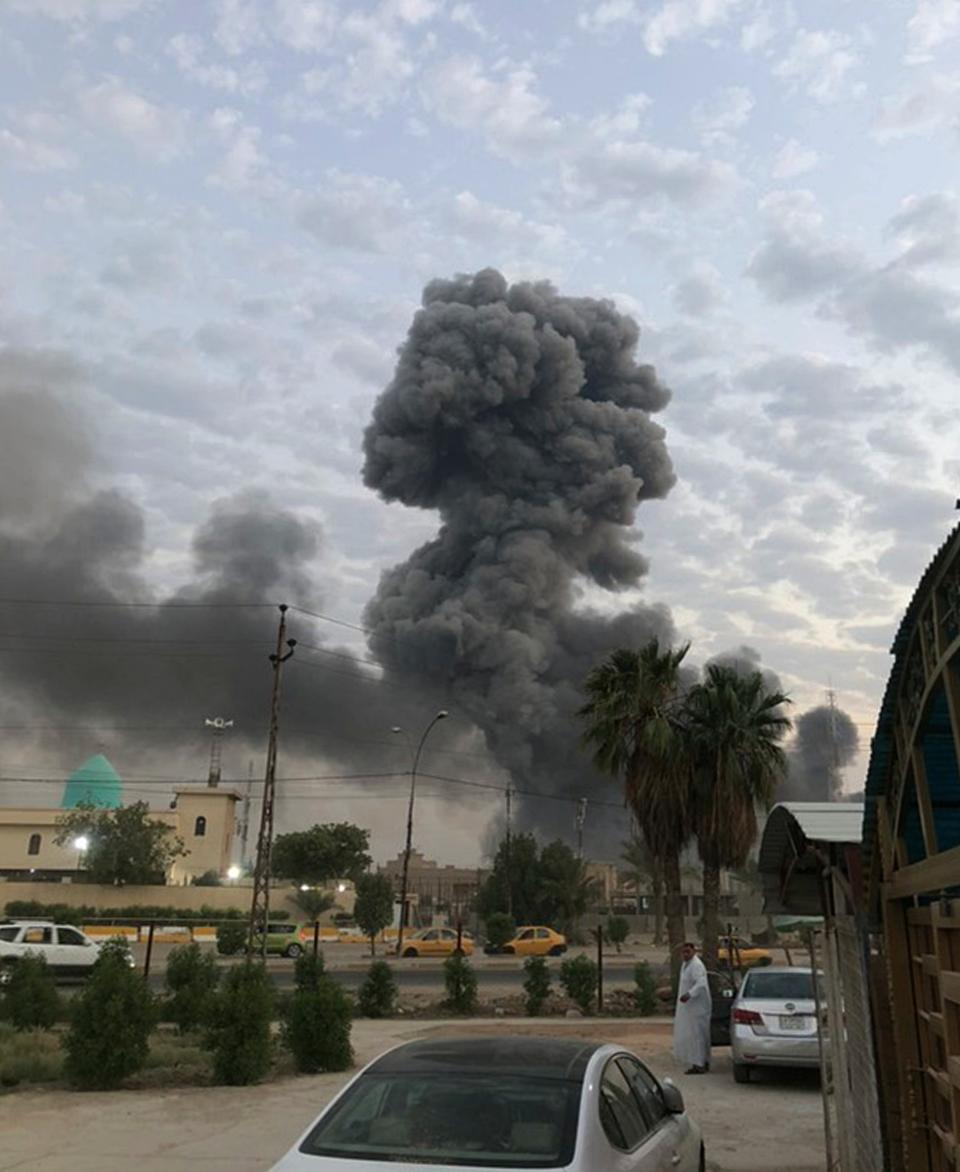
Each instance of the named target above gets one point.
<point>773,1123</point>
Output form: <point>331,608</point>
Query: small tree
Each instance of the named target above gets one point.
<point>231,937</point>
<point>30,1000</point>
<point>373,909</point>
<point>208,879</point>
<point>313,903</point>
<point>378,993</point>
<point>461,984</point>
<point>126,845</point>
<point>645,993</point>
<point>239,1031</point>
<point>618,929</point>
<point>334,850</point>
<point>316,1025</point>
<point>191,979</point>
<point>578,975</point>
<point>112,1017</point>
<point>500,928</point>
<point>536,984</point>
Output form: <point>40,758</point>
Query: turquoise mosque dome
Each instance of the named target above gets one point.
<point>95,783</point>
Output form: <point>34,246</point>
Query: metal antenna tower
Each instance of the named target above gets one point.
<point>260,905</point>
<point>219,726</point>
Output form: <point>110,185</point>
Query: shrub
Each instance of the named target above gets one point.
<point>110,1026</point>
<point>461,983</point>
<point>30,1000</point>
<point>500,928</point>
<point>536,985</point>
<point>316,1026</point>
<point>645,993</point>
<point>207,879</point>
<point>618,929</point>
<point>378,993</point>
<point>29,1056</point>
<point>578,975</point>
<point>308,970</point>
<point>231,938</point>
<point>239,1031</point>
<point>192,977</point>
<point>62,913</point>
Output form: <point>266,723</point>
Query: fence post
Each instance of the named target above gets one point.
<point>146,959</point>
<point>316,938</point>
<point>599,931</point>
<point>459,936</point>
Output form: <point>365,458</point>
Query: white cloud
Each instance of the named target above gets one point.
<point>159,131</point>
<point>31,155</point>
<point>757,32</point>
<point>724,112</point>
<point>188,53</point>
<point>360,213</point>
<point>242,166</point>
<point>368,67</point>
<point>794,159</point>
<point>672,20</point>
<point>77,11</point>
<point>625,119</point>
<point>490,224</point>
<point>608,14</point>
<point>306,25</point>
<point>700,293</point>
<point>931,106</point>
<point>503,106</point>
<point>820,62</point>
<point>238,27</point>
<point>934,24</point>
<point>633,169</point>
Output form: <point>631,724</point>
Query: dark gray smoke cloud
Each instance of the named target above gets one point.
<point>524,419</point>
<point>826,743</point>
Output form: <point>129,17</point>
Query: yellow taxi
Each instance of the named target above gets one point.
<point>745,955</point>
<point>437,942</point>
<point>536,941</point>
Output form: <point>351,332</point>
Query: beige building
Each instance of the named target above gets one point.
<point>437,887</point>
<point>203,817</point>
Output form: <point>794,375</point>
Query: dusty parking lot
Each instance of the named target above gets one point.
<point>775,1123</point>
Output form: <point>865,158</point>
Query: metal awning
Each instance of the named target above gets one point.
<point>791,852</point>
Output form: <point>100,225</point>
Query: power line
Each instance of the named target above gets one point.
<point>136,605</point>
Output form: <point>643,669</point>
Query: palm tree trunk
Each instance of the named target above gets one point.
<point>656,887</point>
<point>674,901</point>
<point>711,910</point>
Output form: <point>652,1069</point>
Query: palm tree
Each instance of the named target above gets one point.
<point>313,903</point>
<point>645,866</point>
<point>735,726</point>
<point>633,725</point>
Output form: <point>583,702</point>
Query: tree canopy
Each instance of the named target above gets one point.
<point>373,909</point>
<point>537,886</point>
<point>332,850</point>
<point>127,845</point>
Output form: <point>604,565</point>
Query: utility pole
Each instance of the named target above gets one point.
<point>219,726</point>
<point>509,797</point>
<point>581,818</point>
<point>260,905</point>
<point>245,825</point>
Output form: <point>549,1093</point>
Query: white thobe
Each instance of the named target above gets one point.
<point>691,1023</point>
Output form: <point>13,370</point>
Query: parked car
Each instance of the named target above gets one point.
<point>287,939</point>
<point>735,952</point>
<point>69,952</point>
<point>437,942</point>
<point>774,1021</point>
<point>535,941</point>
<point>723,989</point>
<point>509,1103</point>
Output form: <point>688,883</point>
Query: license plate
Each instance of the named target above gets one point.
<point>794,1022</point>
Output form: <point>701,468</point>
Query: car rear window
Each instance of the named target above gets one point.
<point>9,934</point>
<point>481,1120</point>
<point>773,986</point>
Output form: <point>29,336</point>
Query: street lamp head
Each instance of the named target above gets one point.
<point>396,729</point>
<point>81,843</point>
<point>234,872</point>
<point>442,714</point>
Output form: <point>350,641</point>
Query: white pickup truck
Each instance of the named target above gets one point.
<point>67,950</point>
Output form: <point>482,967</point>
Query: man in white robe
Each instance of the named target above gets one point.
<point>691,1023</point>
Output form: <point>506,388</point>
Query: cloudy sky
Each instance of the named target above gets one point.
<point>216,220</point>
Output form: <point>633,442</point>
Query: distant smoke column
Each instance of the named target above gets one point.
<point>523,417</point>
<point>826,743</point>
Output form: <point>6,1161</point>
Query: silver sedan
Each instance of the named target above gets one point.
<point>773,1021</point>
<point>507,1103</point>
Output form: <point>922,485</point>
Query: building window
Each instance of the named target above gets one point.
<point>33,847</point>
<point>200,827</point>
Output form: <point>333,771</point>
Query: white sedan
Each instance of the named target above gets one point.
<point>508,1103</point>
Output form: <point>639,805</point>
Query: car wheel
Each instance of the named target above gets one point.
<point>557,950</point>
<point>410,952</point>
<point>293,951</point>
<point>764,961</point>
<point>509,951</point>
<point>741,1073</point>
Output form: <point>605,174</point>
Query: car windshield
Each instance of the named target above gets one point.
<point>484,1120</point>
<point>772,986</point>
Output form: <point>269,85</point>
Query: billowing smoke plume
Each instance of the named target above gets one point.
<point>826,743</point>
<point>524,419</point>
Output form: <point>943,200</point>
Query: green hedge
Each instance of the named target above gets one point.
<point>62,913</point>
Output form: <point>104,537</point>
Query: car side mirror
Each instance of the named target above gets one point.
<point>672,1099</point>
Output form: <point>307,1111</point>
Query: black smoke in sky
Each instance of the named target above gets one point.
<point>524,419</point>
<point>826,742</point>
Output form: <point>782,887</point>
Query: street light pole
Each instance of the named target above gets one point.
<point>441,715</point>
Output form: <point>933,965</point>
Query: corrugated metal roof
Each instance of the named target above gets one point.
<point>827,821</point>
<point>792,827</point>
